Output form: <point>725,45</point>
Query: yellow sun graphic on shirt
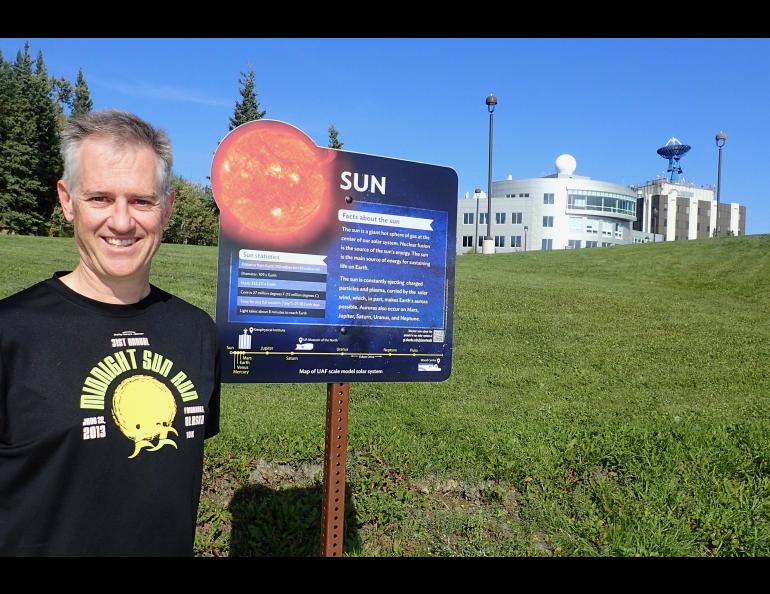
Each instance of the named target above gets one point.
<point>144,409</point>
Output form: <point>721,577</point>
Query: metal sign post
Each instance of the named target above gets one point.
<point>333,510</point>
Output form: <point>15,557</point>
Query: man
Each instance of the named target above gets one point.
<point>108,385</point>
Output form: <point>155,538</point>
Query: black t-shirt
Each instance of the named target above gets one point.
<point>103,413</point>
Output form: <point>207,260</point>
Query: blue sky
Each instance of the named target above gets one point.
<point>609,102</point>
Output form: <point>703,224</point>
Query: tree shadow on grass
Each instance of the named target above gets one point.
<point>283,523</point>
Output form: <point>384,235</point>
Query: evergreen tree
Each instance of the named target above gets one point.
<point>31,115</point>
<point>23,59</point>
<point>6,80</point>
<point>247,109</point>
<point>19,163</point>
<point>6,98</point>
<point>333,140</point>
<point>82,103</point>
<point>47,111</point>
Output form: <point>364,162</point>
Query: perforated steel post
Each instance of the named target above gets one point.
<point>333,509</point>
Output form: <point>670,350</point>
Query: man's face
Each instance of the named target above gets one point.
<point>116,211</point>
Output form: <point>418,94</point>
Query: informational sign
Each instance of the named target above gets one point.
<point>333,266</point>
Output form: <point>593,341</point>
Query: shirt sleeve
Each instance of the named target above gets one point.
<point>2,393</point>
<point>212,419</point>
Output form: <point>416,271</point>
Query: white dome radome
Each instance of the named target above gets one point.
<point>565,164</point>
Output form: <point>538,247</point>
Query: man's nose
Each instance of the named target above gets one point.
<point>121,220</point>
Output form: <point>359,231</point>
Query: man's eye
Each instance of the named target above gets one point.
<point>144,203</point>
<point>98,199</point>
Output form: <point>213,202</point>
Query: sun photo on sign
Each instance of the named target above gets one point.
<point>272,186</point>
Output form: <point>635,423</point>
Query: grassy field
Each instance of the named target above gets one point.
<point>603,402</point>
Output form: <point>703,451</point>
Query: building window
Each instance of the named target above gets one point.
<point>499,241</point>
<point>523,195</point>
<point>601,201</point>
<point>500,218</point>
<point>547,244</point>
<point>482,218</point>
<point>573,244</point>
<point>516,218</point>
<point>515,240</point>
<point>590,229</point>
<point>547,198</point>
<point>468,218</point>
<point>481,240</point>
<point>467,240</point>
<point>606,244</point>
<point>547,221</point>
<point>590,244</point>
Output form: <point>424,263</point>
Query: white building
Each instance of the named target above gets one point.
<point>558,211</point>
<point>681,210</point>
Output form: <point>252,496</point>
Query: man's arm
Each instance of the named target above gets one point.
<point>212,420</point>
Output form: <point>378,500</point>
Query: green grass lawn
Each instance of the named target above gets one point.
<point>609,401</point>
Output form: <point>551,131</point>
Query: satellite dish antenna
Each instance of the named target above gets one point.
<point>673,151</point>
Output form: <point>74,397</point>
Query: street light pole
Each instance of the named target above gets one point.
<point>525,237</point>
<point>721,137</point>
<point>477,196</point>
<point>489,246</point>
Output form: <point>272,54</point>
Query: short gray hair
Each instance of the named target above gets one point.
<point>123,129</point>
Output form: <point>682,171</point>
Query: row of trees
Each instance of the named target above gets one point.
<point>34,108</point>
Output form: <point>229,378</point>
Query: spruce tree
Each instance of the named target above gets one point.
<point>19,162</point>
<point>31,115</point>
<point>333,140</point>
<point>82,103</point>
<point>247,109</point>
<point>6,81</point>
<point>47,140</point>
<point>6,98</point>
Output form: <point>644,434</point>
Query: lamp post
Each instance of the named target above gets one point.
<point>489,246</point>
<point>654,222</point>
<point>525,237</point>
<point>477,196</point>
<point>721,137</point>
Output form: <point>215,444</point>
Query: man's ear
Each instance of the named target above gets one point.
<point>66,200</point>
<point>168,208</point>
